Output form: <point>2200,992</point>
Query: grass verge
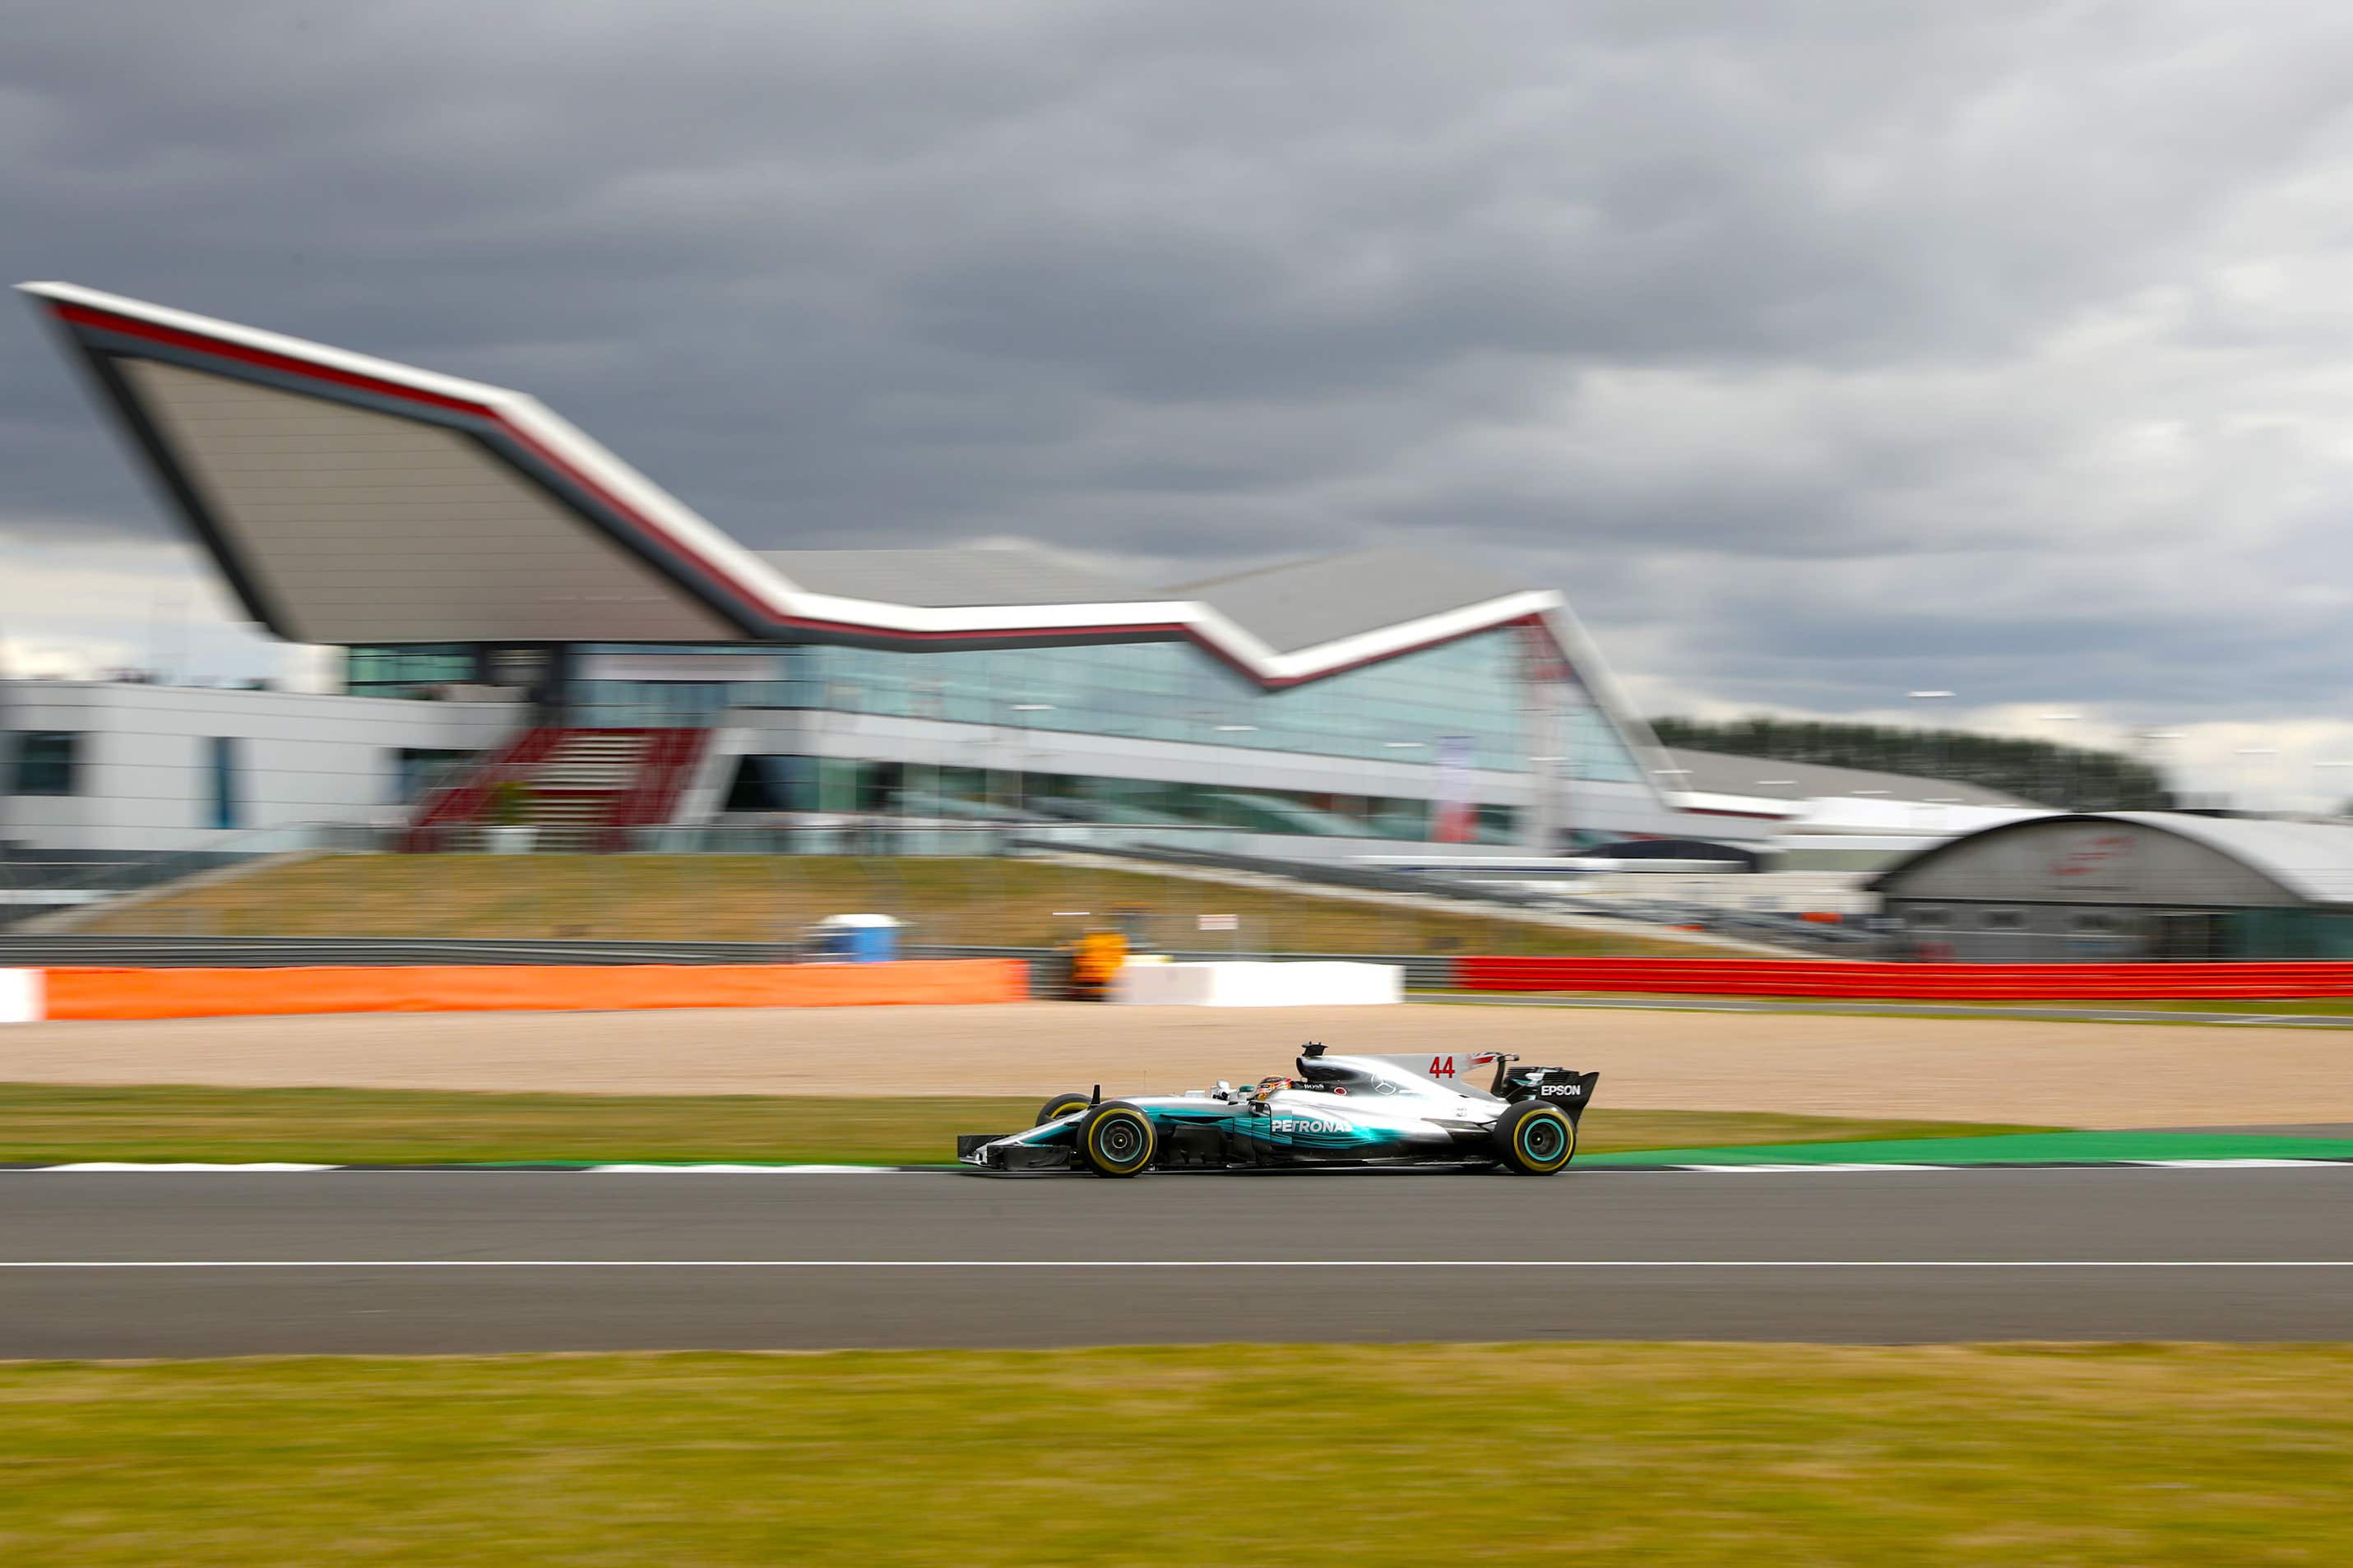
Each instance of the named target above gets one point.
<point>1665,1454</point>
<point>774,897</point>
<point>47,1124</point>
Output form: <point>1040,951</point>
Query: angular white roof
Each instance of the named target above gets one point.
<point>354,499</point>
<point>952,577</point>
<point>1302,603</point>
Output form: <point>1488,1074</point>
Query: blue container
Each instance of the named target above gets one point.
<point>857,939</point>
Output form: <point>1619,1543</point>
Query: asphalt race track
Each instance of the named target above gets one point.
<point>110,1265</point>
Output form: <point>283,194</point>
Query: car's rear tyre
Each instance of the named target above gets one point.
<point>1116,1140</point>
<point>1062,1105</point>
<point>1534,1139</point>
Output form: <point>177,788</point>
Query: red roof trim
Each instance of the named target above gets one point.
<point>131,327</point>
<point>968,633</point>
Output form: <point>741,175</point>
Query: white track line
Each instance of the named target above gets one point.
<point>1201,1263</point>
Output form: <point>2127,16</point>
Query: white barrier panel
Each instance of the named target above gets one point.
<point>1257,985</point>
<point>20,996</point>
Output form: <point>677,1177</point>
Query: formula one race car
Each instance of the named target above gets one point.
<point>1338,1111</point>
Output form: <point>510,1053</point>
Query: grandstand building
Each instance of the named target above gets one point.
<point>534,631</point>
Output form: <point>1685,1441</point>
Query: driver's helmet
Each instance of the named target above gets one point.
<point>1268,1085</point>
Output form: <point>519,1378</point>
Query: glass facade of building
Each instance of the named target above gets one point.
<point>1468,692</point>
<point>1393,712</point>
<point>1011,793</point>
<point>409,670</point>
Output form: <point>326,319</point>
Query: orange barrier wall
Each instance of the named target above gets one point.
<point>1935,982</point>
<point>468,988</point>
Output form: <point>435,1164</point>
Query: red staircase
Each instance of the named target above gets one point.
<point>582,789</point>
<point>664,773</point>
<point>446,817</point>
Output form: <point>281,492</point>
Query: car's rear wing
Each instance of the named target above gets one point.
<point>1566,1088</point>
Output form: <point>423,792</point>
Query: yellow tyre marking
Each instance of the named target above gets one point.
<point>1568,1143</point>
<point>1094,1138</point>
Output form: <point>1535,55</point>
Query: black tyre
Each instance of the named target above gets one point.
<point>1062,1105</point>
<point>1116,1140</point>
<point>1534,1139</point>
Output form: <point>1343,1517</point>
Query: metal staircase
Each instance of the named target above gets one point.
<point>580,790</point>
<point>572,792</point>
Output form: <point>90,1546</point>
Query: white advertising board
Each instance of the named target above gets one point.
<point>21,996</point>
<point>1258,984</point>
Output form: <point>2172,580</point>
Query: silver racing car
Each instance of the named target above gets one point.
<point>1416,1110</point>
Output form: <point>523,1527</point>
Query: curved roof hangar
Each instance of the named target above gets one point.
<point>2155,857</point>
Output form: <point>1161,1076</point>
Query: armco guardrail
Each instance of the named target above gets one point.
<point>1932,982</point>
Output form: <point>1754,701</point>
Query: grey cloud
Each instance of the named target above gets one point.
<point>1707,311</point>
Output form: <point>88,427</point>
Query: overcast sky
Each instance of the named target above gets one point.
<point>1819,350</point>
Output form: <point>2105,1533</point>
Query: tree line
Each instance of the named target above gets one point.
<point>2073,777</point>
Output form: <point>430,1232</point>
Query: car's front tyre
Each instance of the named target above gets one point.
<point>1533,1138</point>
<point>1116,1140</point>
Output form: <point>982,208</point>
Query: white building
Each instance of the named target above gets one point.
<point>125,769</point>
<point>631,665</point>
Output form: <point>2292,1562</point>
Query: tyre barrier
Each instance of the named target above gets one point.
<point>83,994</point>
